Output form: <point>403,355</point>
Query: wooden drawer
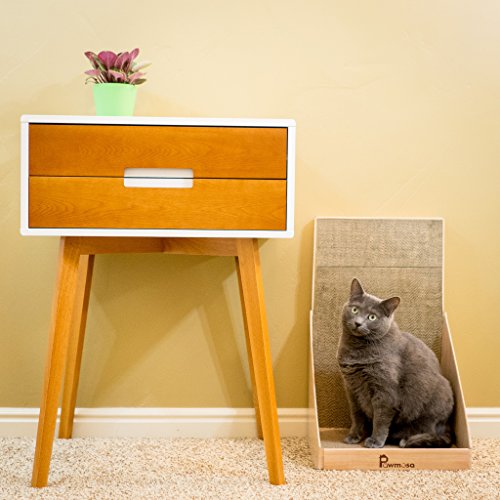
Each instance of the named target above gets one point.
<point>93,202</point>
<point>106,150</point>
<point>241,180</point>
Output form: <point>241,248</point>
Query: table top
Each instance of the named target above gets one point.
<point>159,120</point>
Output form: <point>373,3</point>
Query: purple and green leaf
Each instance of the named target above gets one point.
<point>109,67</point>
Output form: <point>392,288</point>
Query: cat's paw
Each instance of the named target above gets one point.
<point>353,439</point>
<point>373,443</point>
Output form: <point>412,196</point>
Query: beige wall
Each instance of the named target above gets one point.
<point>397,106</point>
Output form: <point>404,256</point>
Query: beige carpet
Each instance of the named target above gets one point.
<point>225,468</point>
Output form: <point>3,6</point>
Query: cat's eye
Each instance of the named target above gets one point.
<point>372,317</point>
<point>354,310</point>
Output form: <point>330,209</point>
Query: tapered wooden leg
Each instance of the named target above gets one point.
<point>75,345</point>
<point>250,360</point>
<point>64,297</point>
<point>254,310</point>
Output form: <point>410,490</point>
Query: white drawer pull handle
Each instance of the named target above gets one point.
<point>158,177</point>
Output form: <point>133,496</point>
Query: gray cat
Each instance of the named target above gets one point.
<point>394,385</point>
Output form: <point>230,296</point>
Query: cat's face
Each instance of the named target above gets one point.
<point>366,315</point>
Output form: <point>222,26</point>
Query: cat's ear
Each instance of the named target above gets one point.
<point>356,288</point>
<point>390,305</point>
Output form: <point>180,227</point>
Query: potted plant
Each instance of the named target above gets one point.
<point>115,77</point>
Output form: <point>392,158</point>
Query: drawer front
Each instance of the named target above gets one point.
<point>89,202</point>
<point>107,150</point>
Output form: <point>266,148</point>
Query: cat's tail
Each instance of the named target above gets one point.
<point>443,438</point>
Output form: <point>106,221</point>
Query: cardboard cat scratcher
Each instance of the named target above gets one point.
<point>401,257</point>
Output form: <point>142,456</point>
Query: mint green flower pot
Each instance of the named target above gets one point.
<point>114,99</point>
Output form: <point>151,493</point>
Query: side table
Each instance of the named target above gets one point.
<point>147,185</point>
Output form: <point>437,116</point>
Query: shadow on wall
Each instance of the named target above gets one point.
<point>292,360</point>
<point>76,98</point>
<point>147,345</point>
<point>138,308</point>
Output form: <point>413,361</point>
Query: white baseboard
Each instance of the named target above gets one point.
<point>194,422</point>
<point>157,422</point>
<point>484,422</point>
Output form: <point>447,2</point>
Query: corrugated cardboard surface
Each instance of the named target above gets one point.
<point>390,257</point>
